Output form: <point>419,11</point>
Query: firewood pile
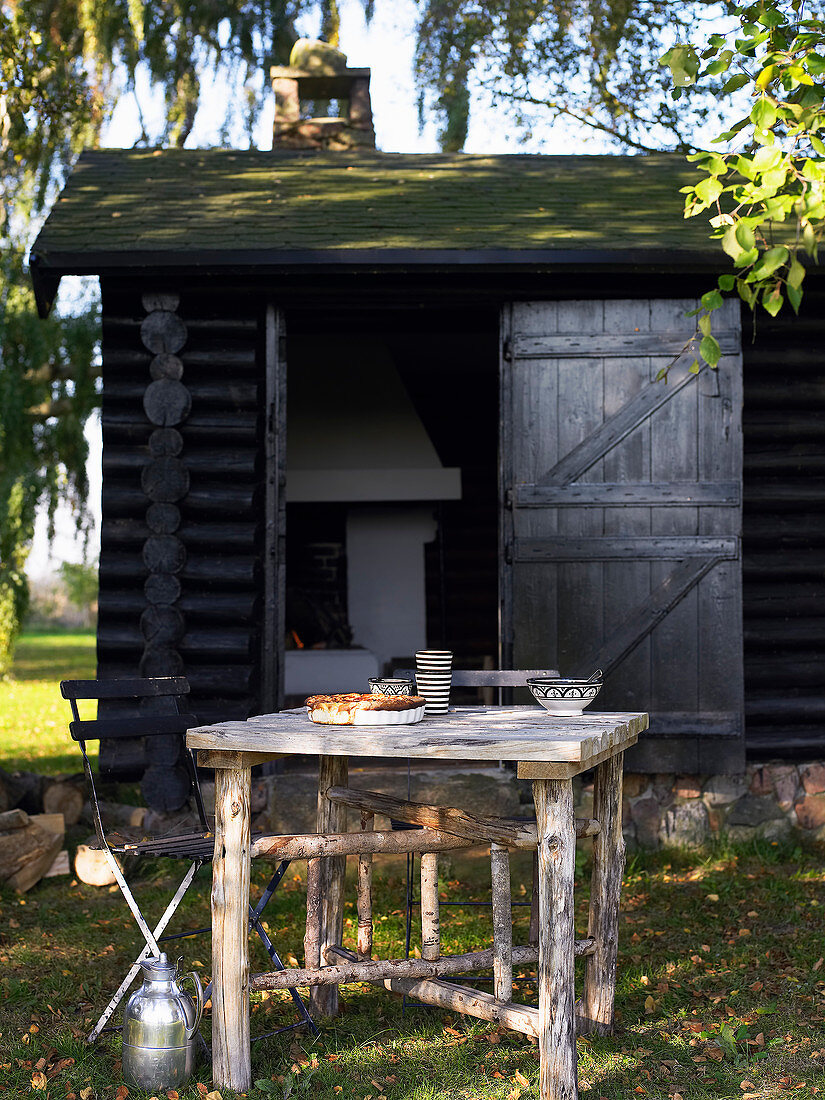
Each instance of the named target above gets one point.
<point>34,813</point>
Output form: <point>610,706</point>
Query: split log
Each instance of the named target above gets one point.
<point>500,830</point>
<point>11,791</point>
<point>13,819</point>
<point>61,865</point>
<point>64,798</point>
<point>28,851</point>
<point>312,845</point>
<point>114,814</point>
<point>92,866</point>
<point>359,970</point>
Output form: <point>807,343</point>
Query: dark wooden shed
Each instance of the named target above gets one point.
<point>519,309</point>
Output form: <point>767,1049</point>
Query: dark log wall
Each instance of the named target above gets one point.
<point>784,530</point>
<point>182,507</point>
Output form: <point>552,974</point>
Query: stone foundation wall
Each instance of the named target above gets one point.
<point>769,801</point>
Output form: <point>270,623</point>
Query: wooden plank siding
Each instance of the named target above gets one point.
<point>621,516</point>
<point>214,553</point>
<point>784,530</point>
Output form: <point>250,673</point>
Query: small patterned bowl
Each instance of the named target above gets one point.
<point>390,685</point>
<point>564,698</point>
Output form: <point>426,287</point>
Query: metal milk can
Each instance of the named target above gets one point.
<point>159,1027</point>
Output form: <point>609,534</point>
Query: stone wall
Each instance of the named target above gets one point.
<point>769,801</point>
<point>772,801</point>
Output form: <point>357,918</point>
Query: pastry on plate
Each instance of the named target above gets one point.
<point>365,710</point>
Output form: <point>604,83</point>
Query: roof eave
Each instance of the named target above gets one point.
<point>47,267</point>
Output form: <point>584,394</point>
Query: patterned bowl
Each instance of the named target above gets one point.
<point>564,698</point>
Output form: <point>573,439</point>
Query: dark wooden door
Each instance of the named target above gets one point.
<point>274,558</point>
<point>621,516</point>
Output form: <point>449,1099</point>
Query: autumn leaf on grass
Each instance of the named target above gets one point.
<point>123,1092</point>
<point>87,1094</point>
<point>39,1080</point>
<point>522,1080</point>
<point>650,1005</point>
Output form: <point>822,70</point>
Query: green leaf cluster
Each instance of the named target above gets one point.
<point>765,189</point>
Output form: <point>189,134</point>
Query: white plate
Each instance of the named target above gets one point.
<point>379,718</point>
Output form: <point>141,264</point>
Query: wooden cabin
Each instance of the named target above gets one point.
<point>358,402</point>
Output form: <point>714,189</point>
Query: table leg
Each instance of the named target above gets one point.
<point>231,1058</point>
<point>605,897</point>
<point>557,1013</point>
<point>333,771</point>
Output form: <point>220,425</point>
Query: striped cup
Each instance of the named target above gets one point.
<point>433,674</point>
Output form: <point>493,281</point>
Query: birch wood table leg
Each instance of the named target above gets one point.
<point>557,1020</point>
<point>332,818</point>
<point>364,897</point>
<point>430,907</point>
<point>502,923</point>
<point>605,897</point>
<point>231,1059</point>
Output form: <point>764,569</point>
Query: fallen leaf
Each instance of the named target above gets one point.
<point>214,1095</point>
<point>123,1092</point>
<point>172,1094</point>
<point>757,987</point>
<point>202,1088</point>
<point>522,1080</point>
<point>514,1094</point>
<point>818,963</point>
<point>39,1080</point>
<point>87,1093</point>
<point>650,1005</point>
<point>745,932</point>
<point>711,897</point>
<point>745,1085</point>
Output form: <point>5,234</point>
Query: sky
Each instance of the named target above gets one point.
<point>386,47</point>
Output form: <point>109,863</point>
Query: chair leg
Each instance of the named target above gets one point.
<point>148,952</point>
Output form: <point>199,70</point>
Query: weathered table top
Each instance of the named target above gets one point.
<point>527,734</point>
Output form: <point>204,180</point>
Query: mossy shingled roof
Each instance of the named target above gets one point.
<point>217,202</point>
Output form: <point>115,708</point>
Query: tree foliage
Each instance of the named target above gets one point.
<point>765,186</point>
<point>64,65</point>
<point>592,62</point>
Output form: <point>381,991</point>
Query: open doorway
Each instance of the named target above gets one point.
<point>392,491</point>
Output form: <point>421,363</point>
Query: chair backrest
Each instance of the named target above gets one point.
<point>135,690</point>
<point>147,697</point>
<point>486,677</point>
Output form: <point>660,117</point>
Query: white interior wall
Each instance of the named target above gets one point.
<point>385,577</point>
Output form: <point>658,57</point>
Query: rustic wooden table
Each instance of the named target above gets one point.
<point>549,751</point>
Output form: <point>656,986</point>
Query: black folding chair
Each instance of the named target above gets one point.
<point>139,708</point>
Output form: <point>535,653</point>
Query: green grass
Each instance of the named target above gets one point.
<point>34,719</point>
<point>721,989</point>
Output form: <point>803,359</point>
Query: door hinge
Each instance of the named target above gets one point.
<point>508,499</point>
<point>507,350</point>
<point>508,553</point>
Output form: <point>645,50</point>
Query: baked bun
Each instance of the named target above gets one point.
<point>344,710</point>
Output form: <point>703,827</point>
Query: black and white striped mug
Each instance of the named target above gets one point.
<point>433,676</point>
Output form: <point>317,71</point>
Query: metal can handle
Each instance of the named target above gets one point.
<point>190,1031</point>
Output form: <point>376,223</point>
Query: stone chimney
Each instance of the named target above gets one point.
<point>316,75</point>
